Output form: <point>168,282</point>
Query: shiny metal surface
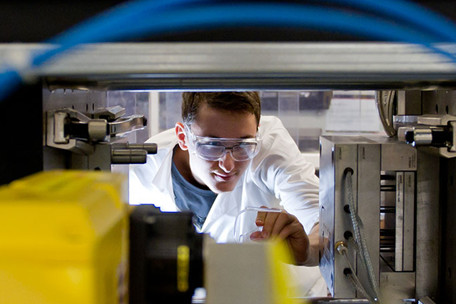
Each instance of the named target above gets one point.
<point>398,157</point>
<point>242,65</point>
<point>405,221</point>
<point>369,157</point>
<point>97,129</point>
<point>127,124</point>
<point>435,119</point>
<point>422,137</point>
<point>150,148</point>
<point>435,127</point>
<point>408,245</point>
<point>374,161</point>
<point>361,155</point>
<point>399,236</point>
<point>334,221</point>
<point>128,156</point>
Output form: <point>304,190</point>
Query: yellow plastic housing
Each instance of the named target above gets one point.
<point>64,239</point>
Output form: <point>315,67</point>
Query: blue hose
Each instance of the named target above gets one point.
<point>272,15</point>
<point>99,28</point>
<point>148,17</point>
<point>244,14</point>
<point>408,12</point>
<point>9,82</point>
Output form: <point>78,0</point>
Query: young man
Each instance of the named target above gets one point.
<point>224,157</point>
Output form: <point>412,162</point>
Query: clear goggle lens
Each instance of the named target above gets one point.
<point>214,151</point>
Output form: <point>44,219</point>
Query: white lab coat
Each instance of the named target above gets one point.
<point>279,177</point>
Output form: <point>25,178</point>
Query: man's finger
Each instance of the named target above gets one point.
<point>256,236</point>
<point>283,220</point>
<point>259,221</point>
<point>261,215</point>
<point>269,222</point>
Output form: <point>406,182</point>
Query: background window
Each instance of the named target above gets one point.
<point>306,114</point>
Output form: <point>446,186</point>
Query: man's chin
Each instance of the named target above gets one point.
<point>223,187</point>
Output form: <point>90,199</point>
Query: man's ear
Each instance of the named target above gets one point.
<point>181,136</point>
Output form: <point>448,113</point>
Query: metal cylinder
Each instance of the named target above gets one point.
<point>97,129</point>
<point>128,156</point>
<point>419,137</point>
<point>149,147</point>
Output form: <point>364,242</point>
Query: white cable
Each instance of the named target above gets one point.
<point>359,239</point>
<point>355,281</point>
<point>352,275</point>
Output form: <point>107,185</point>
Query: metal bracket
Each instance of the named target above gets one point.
<point>56,138</point>
<point>436,132</point>
<point>71,130</point>
<point>127,124</point>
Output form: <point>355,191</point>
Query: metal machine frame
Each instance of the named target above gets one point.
<point>312,66</point>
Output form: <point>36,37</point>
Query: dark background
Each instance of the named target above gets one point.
<point>36,21</point>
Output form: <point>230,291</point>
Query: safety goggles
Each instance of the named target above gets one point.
<point>215,148</point>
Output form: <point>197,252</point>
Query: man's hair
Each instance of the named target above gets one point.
<point>238,102</point>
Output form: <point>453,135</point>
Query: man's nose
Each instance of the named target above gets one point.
<point>227,162</point>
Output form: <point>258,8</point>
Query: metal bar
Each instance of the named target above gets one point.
<point>128,156</point>
<point>409,221</point>
<point>151,148</point>
<point>244,65</point>
<point>398,265</point>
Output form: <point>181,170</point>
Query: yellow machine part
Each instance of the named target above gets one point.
<point>64,239</point>
<point>279,256</point>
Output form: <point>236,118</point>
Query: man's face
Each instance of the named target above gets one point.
<point>222,175</point>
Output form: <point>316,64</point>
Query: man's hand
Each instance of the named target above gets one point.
<point>286,226</point>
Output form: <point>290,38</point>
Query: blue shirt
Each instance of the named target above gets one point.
<point>188,197</point>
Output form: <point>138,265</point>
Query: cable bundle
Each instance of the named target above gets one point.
<point>394,20</point>
<point>360,245</point>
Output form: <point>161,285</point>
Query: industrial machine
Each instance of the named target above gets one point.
<point>384,210</point>
<point>386,203</point>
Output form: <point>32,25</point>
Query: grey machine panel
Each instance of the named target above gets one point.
<point>372,161</point>
<point>363,157</point>
<point>241,65</point>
